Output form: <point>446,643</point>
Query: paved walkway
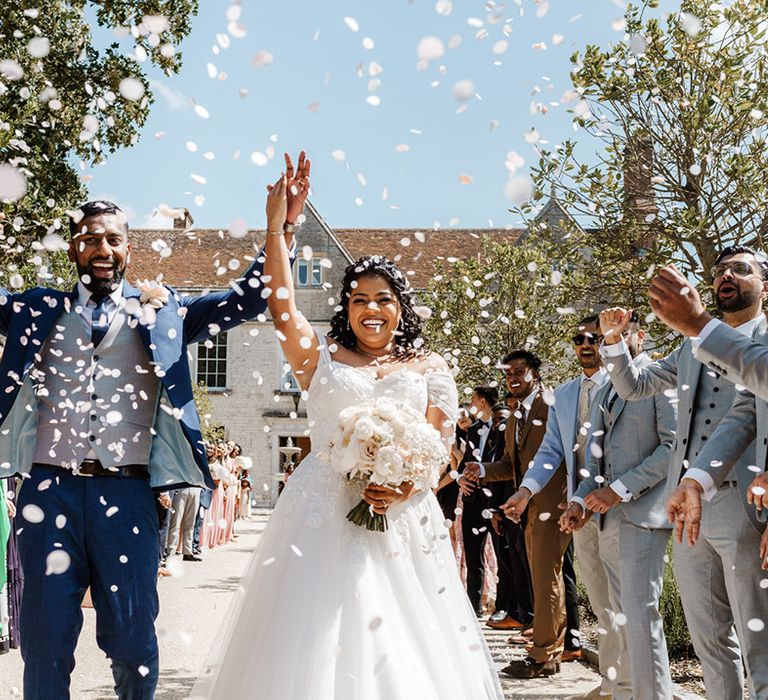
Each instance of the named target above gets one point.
<point>190,605</point>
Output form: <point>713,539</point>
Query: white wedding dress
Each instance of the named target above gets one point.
<point>328,610</point>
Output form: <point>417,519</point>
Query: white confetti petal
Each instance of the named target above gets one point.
<point>57,562</point>
<point>13,184</point>
<point>32,513</point>
<point>131,89</point>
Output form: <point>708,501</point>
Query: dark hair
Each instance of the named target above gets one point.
<point>530,359</point>
<point>408,339</point>
<point>592,318</point>
<point>736,249</point>
<point>95,208</point>
<point>489,393</point>
<point>501,407</point>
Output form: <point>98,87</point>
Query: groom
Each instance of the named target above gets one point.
<point>96,410</point>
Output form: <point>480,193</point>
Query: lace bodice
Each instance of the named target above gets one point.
<point>335,386</point>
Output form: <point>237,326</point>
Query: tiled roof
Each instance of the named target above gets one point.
<point>416,250</point>
<point>201,258</point>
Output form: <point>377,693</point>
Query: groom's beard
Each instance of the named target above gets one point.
<point>98,285</point>
<point>738,302</point>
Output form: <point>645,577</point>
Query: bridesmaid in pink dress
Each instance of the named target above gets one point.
<point>213,516</point>
<point>230,494</point>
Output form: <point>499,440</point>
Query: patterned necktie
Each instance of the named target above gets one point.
<point>99,319</point>
<point>521,423</point>
<point>581,437</point>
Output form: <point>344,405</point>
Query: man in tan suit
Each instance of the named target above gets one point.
<point>545,544</point>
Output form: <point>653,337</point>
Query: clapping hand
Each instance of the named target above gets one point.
<point>613,323</point>
<point>516,505</point>
<point>757,493</point>
<point>602,500</point>
<point>677,303</point>
<point>466,485</point>
<point>684,508</point>
<point>574,518</point>
<point>472,471</point>
<point>764,550</point>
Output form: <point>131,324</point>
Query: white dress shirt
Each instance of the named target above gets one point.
<point>85,305</point>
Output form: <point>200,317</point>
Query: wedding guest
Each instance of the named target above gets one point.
<point>544,544</point>
<point>163,508</point>
<point>184,506</point>
<point>246,509</point>
<point>448,489</point>
<point>474,525</point>
<point>506,606</point>
<point>627,467</point>
<point>725,534</point>
<point>231,482</point>
<point>214,524</point>
<point>130,347</point>
<point>566,440</point>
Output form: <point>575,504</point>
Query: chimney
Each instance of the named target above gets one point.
<point>639,197</point>
<point>182,219</point>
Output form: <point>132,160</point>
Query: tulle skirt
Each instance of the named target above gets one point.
<point>328,610</point>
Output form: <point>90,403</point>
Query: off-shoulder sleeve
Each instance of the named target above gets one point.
<point>443,394</point>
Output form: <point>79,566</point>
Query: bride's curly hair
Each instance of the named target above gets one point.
<point>409,341</point>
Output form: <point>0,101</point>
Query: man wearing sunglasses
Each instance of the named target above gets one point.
<point>565,440</point>
<point>718,573</point>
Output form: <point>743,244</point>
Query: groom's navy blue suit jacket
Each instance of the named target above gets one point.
<point>177,456</point>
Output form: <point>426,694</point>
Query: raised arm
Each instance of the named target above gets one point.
<point>739,358</point>
<point>631,382</point>
<point>6,310</point>
<point>297,338</point>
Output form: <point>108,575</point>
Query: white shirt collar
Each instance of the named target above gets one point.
<point>598,378</point>
<point>528,400</point>
<point>84,294</point>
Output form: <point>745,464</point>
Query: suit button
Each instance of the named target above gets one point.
<point>703,437</point>
<point>685,441</point>
<point>717,388</point>
<point>711,405</point>
<point>92,438</point>
<point>94,397</point>
<point>690,410</point>
<point>708,421</point>
<point>93,417</point>
<point>96,358</point>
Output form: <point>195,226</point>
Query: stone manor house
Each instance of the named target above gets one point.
<point>252,390</point>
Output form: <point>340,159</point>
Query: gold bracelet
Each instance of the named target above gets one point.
<point>275,233</point>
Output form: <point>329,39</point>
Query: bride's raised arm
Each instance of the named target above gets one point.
<point>297,338</point>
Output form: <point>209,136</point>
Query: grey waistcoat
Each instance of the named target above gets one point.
<point>102,399</point>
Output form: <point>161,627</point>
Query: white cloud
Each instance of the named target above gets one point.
<point>175,99</point>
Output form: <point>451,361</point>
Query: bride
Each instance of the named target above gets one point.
<point>329,610</point>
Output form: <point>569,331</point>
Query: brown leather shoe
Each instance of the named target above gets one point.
<point>528,668</point>
<point>508,623</point>
<point>572,655</point>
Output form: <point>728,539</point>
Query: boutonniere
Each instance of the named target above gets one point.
<point>152,293</point>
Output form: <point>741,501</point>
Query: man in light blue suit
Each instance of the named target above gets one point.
<point>629,459</point>
<point>718,573</point>
<point>96,411</point>
<point>565,440</point>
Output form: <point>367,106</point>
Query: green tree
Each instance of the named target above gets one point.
<point>64,99</point>
<point>210,429</point>
<point>677,113</point>
<point>508,297</point>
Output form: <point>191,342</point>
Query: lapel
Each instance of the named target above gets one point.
<point>130,292</point>
<point>48,318</point>
<point>694,373</point>
<point>537,409</point>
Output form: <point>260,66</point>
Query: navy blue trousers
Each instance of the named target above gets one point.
<point>99,532</point>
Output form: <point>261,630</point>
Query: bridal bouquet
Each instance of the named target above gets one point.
<point>385,443</point>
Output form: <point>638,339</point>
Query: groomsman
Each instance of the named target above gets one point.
<point>628,464</point>
<point>545,544</point>
<point>566,440</point>
<point>474,525</point>
<point>514,609</point>
<point>719,605</point>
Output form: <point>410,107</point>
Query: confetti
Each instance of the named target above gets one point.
<point>13,184</point>
<point>131,89</point>
<point>57,562</point>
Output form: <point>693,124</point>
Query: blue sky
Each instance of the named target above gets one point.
<point>421,158</point>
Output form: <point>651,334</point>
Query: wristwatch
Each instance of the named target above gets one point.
<point>288,227</point>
